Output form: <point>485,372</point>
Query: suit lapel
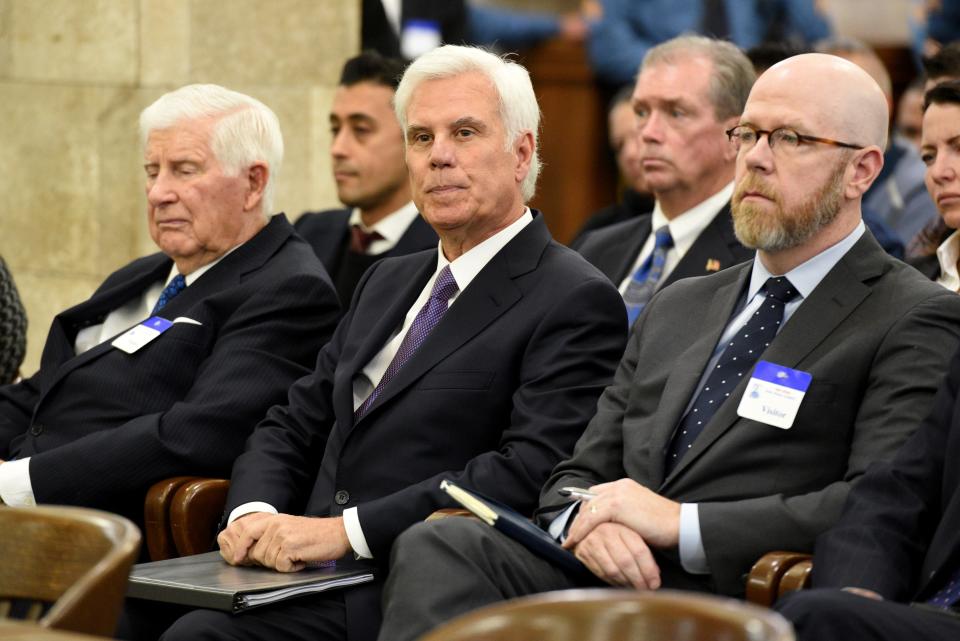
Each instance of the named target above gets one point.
<point>711,251</point>
<point>839,293</point>
<point>491,293</point>
<point>627,249</point>
<point>685,373</point>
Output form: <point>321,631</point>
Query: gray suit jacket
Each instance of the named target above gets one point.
<point>876,337</point>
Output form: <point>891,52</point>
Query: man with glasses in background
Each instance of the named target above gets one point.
<point>748,401</point>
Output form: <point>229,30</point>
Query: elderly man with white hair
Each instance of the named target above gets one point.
<point>479,361</point>
<point>167,367</point>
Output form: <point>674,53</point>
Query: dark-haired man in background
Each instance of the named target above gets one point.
<point>371,174</point>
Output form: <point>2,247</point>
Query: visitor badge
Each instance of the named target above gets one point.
<point>136,337</point>
<point>774,394</point>
<point>419,37</point>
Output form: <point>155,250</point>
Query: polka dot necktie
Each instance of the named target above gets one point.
<point>174,287</point>
<point>644,281</point>
<point>949,594</point>
<point>735,362</point>
<point>426,319</point>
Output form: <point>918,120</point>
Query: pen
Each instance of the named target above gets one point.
<point>576,492</point>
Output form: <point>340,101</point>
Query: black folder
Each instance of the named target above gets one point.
<point>207,581</point>
<point>517,527</point>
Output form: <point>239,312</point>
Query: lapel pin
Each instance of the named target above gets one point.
<point>713,265</point>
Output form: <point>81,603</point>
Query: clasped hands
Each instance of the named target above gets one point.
<point>283,542</point>
<point>612,533</point>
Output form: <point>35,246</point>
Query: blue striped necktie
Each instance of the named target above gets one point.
<point>644,281</point>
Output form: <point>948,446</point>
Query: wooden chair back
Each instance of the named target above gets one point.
<point>67,566</point>
<point>617,615</point>
<point>181,515</point>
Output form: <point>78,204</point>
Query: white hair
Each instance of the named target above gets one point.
<point>246,130</point>
<point>519,111</point>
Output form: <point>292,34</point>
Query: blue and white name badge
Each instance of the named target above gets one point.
<point>136,337</point>
<point>774,394</point>
<point>418,37</point>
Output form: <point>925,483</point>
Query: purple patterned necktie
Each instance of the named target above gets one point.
<point>426,319</point>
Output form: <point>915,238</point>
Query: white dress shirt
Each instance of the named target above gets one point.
<point>947,253</point>
<point>684,229</point>
<point>464,269</point>
<point>805,278</point>
<point>391,227</point>
<point>15,486</point>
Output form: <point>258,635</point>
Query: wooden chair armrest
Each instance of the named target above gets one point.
<point>448,512</point>
<point>763,582</point>
<point>156,517</point>
<point>796,578</point>
<point>195,513</point>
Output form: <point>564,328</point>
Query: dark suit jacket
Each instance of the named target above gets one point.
<point>328,232</point>
<point>377,32</point>
<point>102,426</point>
<point>495,396</point>
<point>900,531</point>
<point>614,249</point>
<point>874,334</point>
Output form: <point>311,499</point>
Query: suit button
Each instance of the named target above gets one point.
<point>342,497</point>
<point>36,429</point>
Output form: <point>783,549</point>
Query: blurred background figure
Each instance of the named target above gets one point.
<point>898,197</point>
<point>910,113</point>
<point>628,28</point>
<point>13,328</point>
<point>635,197</point>
<point>410,28</point>
<point>504,29</point>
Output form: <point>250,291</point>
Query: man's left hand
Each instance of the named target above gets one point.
<point>655,518</point>
<point>289,543</point>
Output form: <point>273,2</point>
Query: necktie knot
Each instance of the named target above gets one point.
<point>360,240</point>
<point>174,287</point>
<point>781,289</point>
<point>445,286</point>
<point>662,239</point>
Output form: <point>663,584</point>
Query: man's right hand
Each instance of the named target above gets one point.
<point>238,537</point>
<point>619,556</point>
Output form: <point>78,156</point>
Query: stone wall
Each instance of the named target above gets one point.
<point>74,76</point>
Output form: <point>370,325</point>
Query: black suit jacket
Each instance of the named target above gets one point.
<point>614,249</point>
<point>900,531</point>
<point>496,395</point>
<point>328,232</point>
<point>100,427</point>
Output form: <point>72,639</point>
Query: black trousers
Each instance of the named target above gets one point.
<point>835,615</point>
<point>444,568</point>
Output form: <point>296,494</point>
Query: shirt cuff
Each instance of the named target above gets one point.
<point>693,557</point>
<point>249,508</point>
<point>15,487</point>
<point>558,526</point>
<point>351,523</point>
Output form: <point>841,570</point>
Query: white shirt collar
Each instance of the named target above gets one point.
<point>686,228</point>
<point>392,226</point>
<point>466,267</point>
<point>807,275</point>
<point>192,277</point>
<point>947,253</point>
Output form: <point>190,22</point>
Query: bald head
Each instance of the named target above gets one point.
<point>835,96</point>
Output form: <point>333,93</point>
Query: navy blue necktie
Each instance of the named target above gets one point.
<point>644,281</point>
<point>737,358</point>
<point>949,594</point>
<point>174,287</point>
<point>427,318</point>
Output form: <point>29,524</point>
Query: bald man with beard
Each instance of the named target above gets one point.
<point>699,465</point>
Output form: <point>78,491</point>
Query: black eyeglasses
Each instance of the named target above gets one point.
<point>745,137</point>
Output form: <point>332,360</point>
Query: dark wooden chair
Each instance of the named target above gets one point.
<point>616,615</point>
<point>777,573</point>
<point>181,515</point>
<point>65,567</point>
